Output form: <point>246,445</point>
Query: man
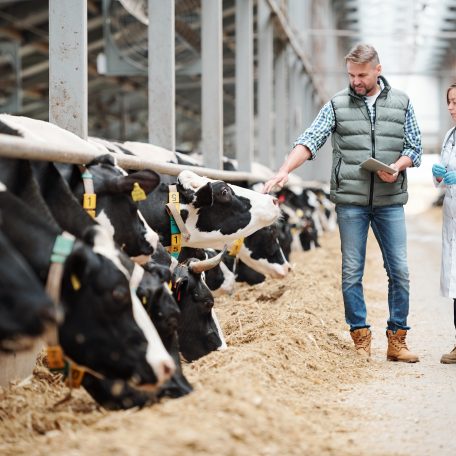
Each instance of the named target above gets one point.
<point>368,119</point>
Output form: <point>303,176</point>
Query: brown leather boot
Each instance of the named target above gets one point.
<point>397,348</point>
<point>449,358</point>
<point>362,338</point>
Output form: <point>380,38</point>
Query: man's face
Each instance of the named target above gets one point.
<point>363,77</point>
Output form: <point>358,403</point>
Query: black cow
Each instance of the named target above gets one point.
<point>165,314</point>
<point>103,327</point>
<point>199,331</point>
<point>25,308</point>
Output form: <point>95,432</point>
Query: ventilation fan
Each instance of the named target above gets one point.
<point>126,23</point>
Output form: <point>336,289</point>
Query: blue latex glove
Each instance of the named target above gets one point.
<point>438,170</point>
<point>450,178</point>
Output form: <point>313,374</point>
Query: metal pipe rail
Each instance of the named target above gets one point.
<point>15,147</point>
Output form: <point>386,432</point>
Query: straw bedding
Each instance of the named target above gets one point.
<point>274,391</point>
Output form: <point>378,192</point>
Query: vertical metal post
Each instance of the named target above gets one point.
<point>244,84</point>
<point>295,124</point>
<point>162,124</point>
<point>68,65</point>
<point>212,83</point>
<point>265,82</point>
<point>280,96</point>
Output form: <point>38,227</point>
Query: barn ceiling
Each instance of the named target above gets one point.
<point>411,36</point>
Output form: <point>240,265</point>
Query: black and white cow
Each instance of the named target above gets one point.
<point>105,326</point>
<point>115,208</point>
<point>25,308</point>
<point>214,212</point>
<point>262,252</point>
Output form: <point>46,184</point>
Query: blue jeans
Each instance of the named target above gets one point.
<point>388,225</point>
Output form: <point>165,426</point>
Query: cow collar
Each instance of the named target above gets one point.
<point>89,202</point>
<point>72,372</point>
<point>177,225</point>
<point>63,246</point>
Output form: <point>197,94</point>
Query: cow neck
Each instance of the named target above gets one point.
<point>177,225</point>
<point>72,372</point>
<point>89,199</point>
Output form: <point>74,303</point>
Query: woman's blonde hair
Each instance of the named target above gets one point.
<point>363,53</point>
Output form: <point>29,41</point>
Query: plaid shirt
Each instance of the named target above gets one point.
<point>325,123</point>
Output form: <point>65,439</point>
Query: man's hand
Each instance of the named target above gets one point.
<point>280,179</point>
<point>387,177</point>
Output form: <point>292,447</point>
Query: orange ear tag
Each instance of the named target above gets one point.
<point>55,357</point>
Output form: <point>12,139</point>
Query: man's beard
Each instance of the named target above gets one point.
<point>362,90</point>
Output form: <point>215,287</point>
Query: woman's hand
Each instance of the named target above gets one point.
<point>450,178</point>
<point>438,170</point>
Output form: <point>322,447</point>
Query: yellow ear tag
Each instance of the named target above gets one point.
<point>138,194</point>
<point>144,300</point>
<point>300,213</point>
<point>75,282</point>
<point>236,247</point>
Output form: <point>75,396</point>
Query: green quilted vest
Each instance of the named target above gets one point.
<point>355,139</point>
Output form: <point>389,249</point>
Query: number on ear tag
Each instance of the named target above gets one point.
<point>138,194</point>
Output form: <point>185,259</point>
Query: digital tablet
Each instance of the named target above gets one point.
<point>371,164</point>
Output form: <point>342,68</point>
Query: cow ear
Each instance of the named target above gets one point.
<point>148,180</point>
<point>204,196</point>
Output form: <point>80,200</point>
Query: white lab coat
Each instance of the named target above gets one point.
<point>448,265</point>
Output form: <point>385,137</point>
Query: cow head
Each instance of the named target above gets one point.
<point>218,213</point>
<point>165,314</point>
<point>219,279</point>
<point>131,341</point>
<point>198,332</point>
<point>262,252</point>
<point>116,209</point>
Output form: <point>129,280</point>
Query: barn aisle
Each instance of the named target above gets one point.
<point>410,409</point>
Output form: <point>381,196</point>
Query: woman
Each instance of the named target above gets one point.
<point>445,176</point>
